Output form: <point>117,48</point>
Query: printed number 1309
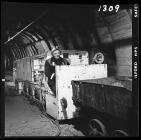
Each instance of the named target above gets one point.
<point>105,8</point>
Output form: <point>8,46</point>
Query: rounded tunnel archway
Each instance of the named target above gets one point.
<point>68,26</point>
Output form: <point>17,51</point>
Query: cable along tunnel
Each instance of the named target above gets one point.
<point>88,39</point>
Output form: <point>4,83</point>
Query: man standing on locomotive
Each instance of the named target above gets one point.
<point>50,64</point>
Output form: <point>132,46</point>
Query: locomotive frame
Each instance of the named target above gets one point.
<point>60,106</point>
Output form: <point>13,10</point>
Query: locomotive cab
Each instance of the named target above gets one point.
<point>30,72</point>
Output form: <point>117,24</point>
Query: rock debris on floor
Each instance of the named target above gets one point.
<point>24,119</point>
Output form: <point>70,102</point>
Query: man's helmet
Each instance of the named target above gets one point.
<point>54,49</point>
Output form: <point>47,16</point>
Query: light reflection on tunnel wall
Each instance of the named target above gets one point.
<point>99,33</point>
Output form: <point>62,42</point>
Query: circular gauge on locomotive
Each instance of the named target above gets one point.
<point>98,58</point>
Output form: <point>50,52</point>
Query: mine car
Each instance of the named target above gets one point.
<point>31,81</point>
<point>111,97</point>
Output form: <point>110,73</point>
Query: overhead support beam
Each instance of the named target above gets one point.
<point>25,27</point>
<point>44,36</point>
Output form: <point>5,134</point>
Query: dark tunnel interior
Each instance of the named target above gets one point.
<point>30,31</point>
<point>69,26</point>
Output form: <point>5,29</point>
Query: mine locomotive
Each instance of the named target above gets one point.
<point>80,87</point>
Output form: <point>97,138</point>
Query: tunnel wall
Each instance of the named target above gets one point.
<point>115,32</point>
<point>124,60</point>
<point>110,34</point>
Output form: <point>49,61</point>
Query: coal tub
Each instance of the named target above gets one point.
<point>110,96</point>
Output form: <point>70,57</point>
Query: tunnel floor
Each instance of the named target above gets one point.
<point>24,119</point>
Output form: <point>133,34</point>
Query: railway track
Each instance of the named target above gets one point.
<point>83,126</point>
<point>63,128</point>
<point>74,127</point>
<point>44,125</point>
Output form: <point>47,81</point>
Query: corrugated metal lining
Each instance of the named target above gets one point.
<point>114,27</point>
<point>30,36</point>
<point>43,37</point>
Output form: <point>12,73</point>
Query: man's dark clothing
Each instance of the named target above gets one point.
<point>50,69</point>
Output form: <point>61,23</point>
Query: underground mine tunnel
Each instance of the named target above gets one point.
<point>68,70</point>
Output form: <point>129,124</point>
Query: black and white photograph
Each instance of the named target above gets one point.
<point>70,70</point>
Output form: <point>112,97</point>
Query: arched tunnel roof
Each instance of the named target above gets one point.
<point>69,27</point>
